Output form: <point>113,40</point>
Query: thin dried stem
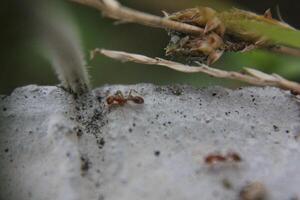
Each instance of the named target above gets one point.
<point>285,50</point>
<point>112,9</point>
<point>252,76</point>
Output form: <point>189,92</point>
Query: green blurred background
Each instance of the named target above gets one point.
<point>22,62</point>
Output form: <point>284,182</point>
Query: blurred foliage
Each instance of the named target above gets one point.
<point>22,62</point>
<point>276,33</point>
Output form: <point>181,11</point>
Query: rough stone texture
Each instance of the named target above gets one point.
<point>55,146</point>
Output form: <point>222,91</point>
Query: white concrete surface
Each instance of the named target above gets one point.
<point>53,146</point>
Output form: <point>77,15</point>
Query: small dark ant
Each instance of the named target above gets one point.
<point>218,158</point>
<point>119,99</point>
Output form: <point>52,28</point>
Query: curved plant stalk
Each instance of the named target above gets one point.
<point>252,76</point>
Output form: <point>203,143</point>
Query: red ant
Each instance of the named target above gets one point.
<point>119,99</point>
<point>215,158</point>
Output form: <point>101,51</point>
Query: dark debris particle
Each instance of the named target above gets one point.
<point>226,184</point>
<point>176,90</point>
<point>101,142</point>
<point>133,124</point>
<point>159,89</point>
<point>4,109</point>
<point>6,150</point>
<point>276,128</point>
<point>294,198</point>
<point>157,153</point>
<point>78,131</point>
<point>85,164</point>
<point>214,94</point>
<point>227,113</point>
<point>29,194</point>
<point>99,99</point>
<point>101,197</point>
<point>97,114</point>
<point>130,130</point>
<point>4,97</point>
<point>97,185</point>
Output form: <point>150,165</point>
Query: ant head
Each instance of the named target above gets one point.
<point>110,100</point>
<point>119,93</point>
<point>234,156</point>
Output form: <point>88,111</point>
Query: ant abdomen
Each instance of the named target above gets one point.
<point>137,100</point>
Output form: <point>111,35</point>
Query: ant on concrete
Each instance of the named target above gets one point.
<point>119,99</point>
<point>218,158</point>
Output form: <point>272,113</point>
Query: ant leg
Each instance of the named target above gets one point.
<point>129,94</point>
<point>133,90</point>
<point>130,97</point>
<point>119,94</point>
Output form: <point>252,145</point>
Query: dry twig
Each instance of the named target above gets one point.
<point>112,9</point>
<point>252,76</point>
